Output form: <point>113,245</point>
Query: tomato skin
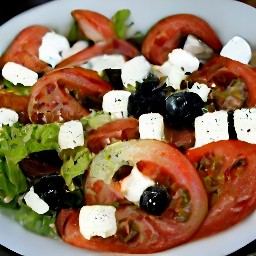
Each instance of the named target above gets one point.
<point>115,46</point>
<point>18,103</point>
<point>24,49</point>
<point>94,25</point>
<point>166,35</point>
<point>50,99</point>
<point>237,197</point>
<point>161,162</point>
<point>121,129</point>
<point>222,66</point>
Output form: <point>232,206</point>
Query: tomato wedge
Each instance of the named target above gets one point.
<point>138,231</point>
<point>122,129</point>
<point>51,100</point>
<point>227,68</point>
<point>229,171</point>
<point>24,49</point>
<point>167,34</point>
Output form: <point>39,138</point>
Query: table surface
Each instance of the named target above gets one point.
<point>9,9</point>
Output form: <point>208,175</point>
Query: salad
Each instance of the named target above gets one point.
<point>134,160</point>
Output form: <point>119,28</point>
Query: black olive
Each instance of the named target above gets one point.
<point>183,107</point>
<point>148,97</point>
<point>52,190</point>
<point>155,199</point>
<point>114,77</point>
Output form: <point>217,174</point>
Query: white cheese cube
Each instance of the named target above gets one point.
<point>237,49</point>
<point>97,220</point>
<point>17,73</point>
<point>71,135</point>
<point>151,126</point>
<point>135,70</point>
<point>245,124</point>
<point>77,47</point>
<point>201,89</point>
<point>8,117</point>
<point>52,46</point>
<point>37,204</point>
<point>101,62</point>
<point>134,184</point>
<point>179,63</point>
<point>198,48</point>
<point>211,127</point>
<point>116,103</point>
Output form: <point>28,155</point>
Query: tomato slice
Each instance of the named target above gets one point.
<point>51,100</point>
<point>229,171</point>
<point>24,49</point>
<point>115,46</point>
<point>94,25</point>
<point>138,231</point>
<point>227,68</point>
<point>122,129</point>
<point>167,34</point>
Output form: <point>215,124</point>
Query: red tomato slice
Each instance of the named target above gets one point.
<point>138,231</point>
<point>167,34</point>
<point>50,98</point>
<point>122,129</point>
<point>24,49</point>
<point>115,46</point>
<point>230,166</point>
<point>226,68</point>
<point>94,25</point>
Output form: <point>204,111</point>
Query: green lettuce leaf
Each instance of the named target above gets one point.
<point>119,20</point>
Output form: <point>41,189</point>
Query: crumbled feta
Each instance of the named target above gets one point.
<point>237,49</point>
<point>116,103</point>
<point>151,126</point>
<point>52,46</point>
<point>135,70</point>
<point>18,74</point>
<point>37,204</point>
<point>97,220</point>
<point>71,135</point>
<point>101,62</point>
<point>77,47</point>
<point>178,65</point>
<point>201,89</point>
<point>198,48</point>
<point>211,127</point>
<point>245,124</point>
<point>8,117</point>
<point>134,184</point>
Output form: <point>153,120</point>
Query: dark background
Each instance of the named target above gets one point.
<point>10,8</point>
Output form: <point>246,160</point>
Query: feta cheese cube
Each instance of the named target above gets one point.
<point>77,47</point>
<point>51,47</point>
<point>71,135</point>
<point>245,124</point>
<point>135,70</point>
<point>201,89</point>
<point>37,204</point>
<point>8,117</point>
<point>97,220</point>
<point>179,63</point>
<point>101,62</point>
<point>211,127</point>
<point>17,73</point>
<point>237,49</point>
<point>134,185</point>
<point>198,48</point>
<point>116,103</point>
<point>151,126</point>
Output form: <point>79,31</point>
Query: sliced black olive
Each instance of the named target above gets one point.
<point>52,190</point>
<point>114,77</point>
<point>183,107</point>
<point>155,199</point>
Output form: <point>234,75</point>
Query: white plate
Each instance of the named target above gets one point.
<point>228,18</point>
